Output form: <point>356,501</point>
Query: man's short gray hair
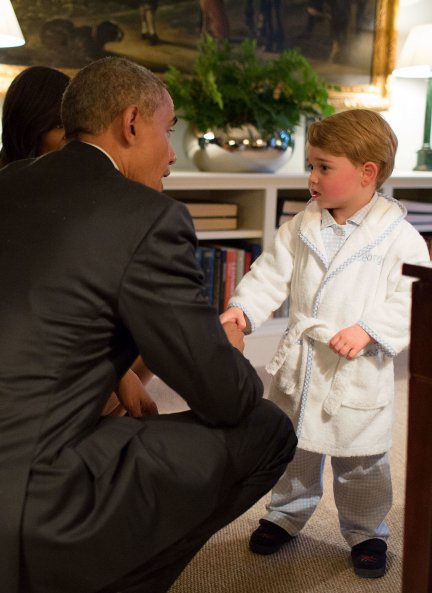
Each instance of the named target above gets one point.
<point>103,89</point>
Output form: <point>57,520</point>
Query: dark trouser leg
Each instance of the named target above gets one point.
<point>257,452</point>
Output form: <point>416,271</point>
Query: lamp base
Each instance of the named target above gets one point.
<point>424,159</point>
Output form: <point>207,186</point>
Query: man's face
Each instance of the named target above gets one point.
<point>154,153</point>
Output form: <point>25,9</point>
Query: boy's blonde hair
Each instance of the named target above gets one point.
<point>360,135</point>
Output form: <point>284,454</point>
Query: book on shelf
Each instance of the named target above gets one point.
<point>417,217</point>
<point>293,206</point>
<point>211,209</point>
<point>248,260</point>
<point>423,227</point>
<point>213,216</point>
<point>419,214</point>
<point>218,280</point>
<point>288,209</point>
<point>206,259</point>
<point>215,223</point>
<point>228,279</point>
<point>413,206</point>
<point>240,265</point>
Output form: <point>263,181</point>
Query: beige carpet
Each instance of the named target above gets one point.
<point>318,560</point>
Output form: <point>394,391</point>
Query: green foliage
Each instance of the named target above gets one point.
<point>233,85</point>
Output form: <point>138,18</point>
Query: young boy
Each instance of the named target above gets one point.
<point>340,263</point>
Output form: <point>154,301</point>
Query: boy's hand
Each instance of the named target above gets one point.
<point>234,335</point>
<point>235,315</point>
<point>349,341</point>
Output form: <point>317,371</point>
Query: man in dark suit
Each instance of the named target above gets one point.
<point>98,266</point>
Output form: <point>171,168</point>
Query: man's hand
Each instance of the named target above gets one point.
<point>134,397</point>
<point>349,341</point>
<point>140,368</point>
<point>113,407</point>
<point>234,335</point>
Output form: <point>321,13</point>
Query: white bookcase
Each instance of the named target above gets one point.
<point>257,196</point>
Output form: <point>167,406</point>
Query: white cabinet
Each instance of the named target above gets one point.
<point>257,196</point>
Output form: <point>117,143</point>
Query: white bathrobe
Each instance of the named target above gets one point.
<point>341,408</point>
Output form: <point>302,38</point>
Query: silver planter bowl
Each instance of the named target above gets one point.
<point>239,150</point>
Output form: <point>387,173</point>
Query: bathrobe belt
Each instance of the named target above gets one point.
<point>317,331</point>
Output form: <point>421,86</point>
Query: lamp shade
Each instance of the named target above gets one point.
<point>415,60</point>
<point>10,31</point>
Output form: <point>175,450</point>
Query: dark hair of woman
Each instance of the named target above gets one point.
<point>31,109</point>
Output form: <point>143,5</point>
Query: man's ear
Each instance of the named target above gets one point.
<point>129,123</point>
<point>369,173</point>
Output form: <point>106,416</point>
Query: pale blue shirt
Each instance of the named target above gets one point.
<point>334,235</point>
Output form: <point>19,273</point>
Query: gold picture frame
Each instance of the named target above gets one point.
<point>371,92</point>
<point>375,95</point>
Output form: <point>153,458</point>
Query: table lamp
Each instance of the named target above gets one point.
<point>10,31</point>
<point>415,61</point>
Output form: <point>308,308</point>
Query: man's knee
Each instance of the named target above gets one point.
<point>275,429</point>
<point>265,441</point>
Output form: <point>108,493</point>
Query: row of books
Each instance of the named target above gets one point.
<point>223,216</point>
<point>419,215</point>
<point>223,266</point>
<point>213,216</point>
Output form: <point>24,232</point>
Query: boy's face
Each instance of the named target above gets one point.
<point>337,184</point>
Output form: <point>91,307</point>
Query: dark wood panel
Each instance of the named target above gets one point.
<point>417,565</point>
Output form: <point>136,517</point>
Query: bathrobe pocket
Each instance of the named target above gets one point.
<point>371,383</point>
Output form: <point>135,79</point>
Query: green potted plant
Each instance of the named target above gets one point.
<point>240,102</point>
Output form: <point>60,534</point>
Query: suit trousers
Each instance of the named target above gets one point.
<point>253,454</point>
<point>362,491</point>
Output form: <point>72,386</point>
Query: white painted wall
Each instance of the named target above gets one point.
<point>408,96</point>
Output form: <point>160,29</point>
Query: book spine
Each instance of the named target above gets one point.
<point>247,260</point>
<point>208,266</point>
<point>198,255</point>
<point>230,275</point>
<point>240,265</point>
<point>293,206</point>
<point>218,278</point>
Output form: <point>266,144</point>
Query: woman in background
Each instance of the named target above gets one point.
<point>31,123</point>
<point>31,127</point>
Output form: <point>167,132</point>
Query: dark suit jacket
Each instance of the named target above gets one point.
<point>94,269</point>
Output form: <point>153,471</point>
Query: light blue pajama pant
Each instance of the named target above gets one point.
<point>362,491</point>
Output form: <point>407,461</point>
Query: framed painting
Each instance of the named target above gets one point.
<point>350,43</point>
